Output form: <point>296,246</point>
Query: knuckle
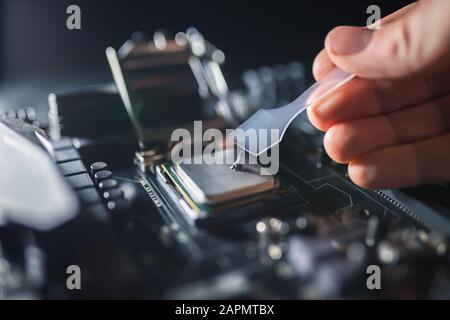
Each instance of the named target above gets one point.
<point>397,44</point>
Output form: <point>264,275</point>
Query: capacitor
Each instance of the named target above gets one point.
<point>108,184</point>
<point>272,233</point>
<point>98,166</point>
<point>113,194</point>
<point>102,175</point>
<point>31,114</point>
<point>21,114</point>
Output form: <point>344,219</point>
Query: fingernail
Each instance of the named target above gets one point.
<point>318,67</point>
<point>348,40</point>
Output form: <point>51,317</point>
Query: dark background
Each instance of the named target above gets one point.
<point>40,55</point>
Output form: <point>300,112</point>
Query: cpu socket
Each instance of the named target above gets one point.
<point>213,187</point>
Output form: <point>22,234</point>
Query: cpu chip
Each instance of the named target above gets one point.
<point>214,184</point>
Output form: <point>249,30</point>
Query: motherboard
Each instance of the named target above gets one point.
<point>148,227</point>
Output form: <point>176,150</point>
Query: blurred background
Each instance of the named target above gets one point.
<point>39,54</point>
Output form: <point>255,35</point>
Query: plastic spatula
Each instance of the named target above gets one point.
<point>266,127</point>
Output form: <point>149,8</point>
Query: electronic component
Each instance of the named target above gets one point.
<point>211,194</point>
<point>98,166</point>
<point>217,183</point>
<point>102,175</point>
<point>149,227</point>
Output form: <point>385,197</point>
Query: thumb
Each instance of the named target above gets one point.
<point>414,42</point>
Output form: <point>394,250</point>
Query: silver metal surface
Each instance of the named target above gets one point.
<point>217,183</point>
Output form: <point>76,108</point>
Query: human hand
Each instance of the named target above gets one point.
<point>391,124</point>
